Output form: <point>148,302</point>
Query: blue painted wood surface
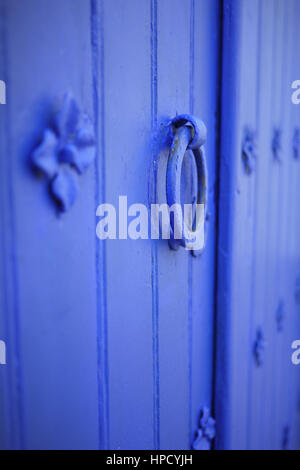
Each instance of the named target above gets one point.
<point>119,344</point>
<point>111,342</point>
<point>257,406</point>
<point>49,306</point>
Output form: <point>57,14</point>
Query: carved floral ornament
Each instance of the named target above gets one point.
<point>66,151</point>
<point>206,431</point>
<point>259,347</point>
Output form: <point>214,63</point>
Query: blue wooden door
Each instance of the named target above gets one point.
<point>127,344</point>
<point>110,344</point>
<point>257,386</point>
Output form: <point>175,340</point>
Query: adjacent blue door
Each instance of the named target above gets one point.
<point>257,385</point>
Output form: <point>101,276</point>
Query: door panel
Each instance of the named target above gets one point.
<point>123,77</point>
<point>50,304</point>
<point>258,316</point>
<point>148,68</point>
<point>109,334</point>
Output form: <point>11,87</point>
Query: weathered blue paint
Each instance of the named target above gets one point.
<point>199,134</point>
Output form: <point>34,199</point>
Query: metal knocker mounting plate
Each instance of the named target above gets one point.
<point>187,230</point>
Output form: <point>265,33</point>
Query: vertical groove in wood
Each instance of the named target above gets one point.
<point>286,270</point>
<point>269,185</point>
<point>97,40</point>
<point>264,97</point>
<point>244,191</point>
<point>254,232</point>
<point>288,273</point>
<point>190,260</point>
<point>231,72</point>
<point>279,405</point>
<point>204,101</point>
<point>218,149</point>
<point>154,257</point>
<point>272,291</point>
<point>283,359</point>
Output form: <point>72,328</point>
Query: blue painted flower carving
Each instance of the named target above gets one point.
<point>259,347</point>
<point>206,431</point>
<point>249,151</point>
<point>66,151</point>
<point>276,145</point>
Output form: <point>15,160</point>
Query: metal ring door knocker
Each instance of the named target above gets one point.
<point>189,133</point>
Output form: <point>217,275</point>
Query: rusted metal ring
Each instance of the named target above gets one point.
<point>198,127</point>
